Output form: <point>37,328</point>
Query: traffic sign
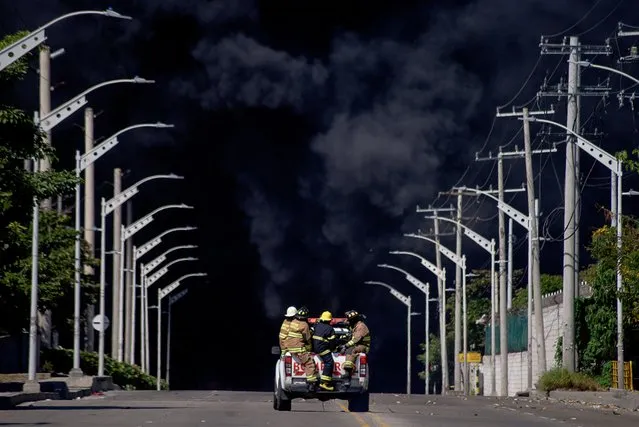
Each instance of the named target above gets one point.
<point>98,323</point>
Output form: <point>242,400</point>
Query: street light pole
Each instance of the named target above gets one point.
<point>452,256</point>
<point>440,274</point>
<point>146,269</point>
<point>18,49</point>
<point>407,302</point>
<point>161,294</point>
<point>82,163</point>
<point>129,231</point>
<point>137,254</point>
<point>172,300</point>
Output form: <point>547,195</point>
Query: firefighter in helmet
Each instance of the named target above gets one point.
<point>324,345</point>
<point>299,344</point>
<point>288,318</point>
<point>360,342</point>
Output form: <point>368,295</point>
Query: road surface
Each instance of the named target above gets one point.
<point>240,409</point>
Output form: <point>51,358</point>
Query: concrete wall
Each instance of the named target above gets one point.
<point>518,362</point>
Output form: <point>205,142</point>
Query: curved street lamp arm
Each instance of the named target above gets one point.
<point>487,245</point>
<point>412,279</point>
<point>161,272</point>
<point>117,200</point>
<point>157,240</point>
<point>165,291</point>
<point>18,49</point>
<point>429,265</point>
<point>181,260</point>
<point>523,220</point>
<point>403,298</point>
<point>144,221</point>
<point>443,249</point>
<point>60,113</point>
<point>595,152</point>
<point>160,259</point>
<point>99,150</point>
<point>587,64</point>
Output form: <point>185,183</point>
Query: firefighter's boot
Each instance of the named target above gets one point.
<point>346,377</point>
<point>327,386</point>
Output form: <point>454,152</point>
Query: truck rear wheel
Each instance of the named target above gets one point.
<point>280,404</point>
<point>359,403</point>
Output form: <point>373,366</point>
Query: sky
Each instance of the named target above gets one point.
<point>308,133</point>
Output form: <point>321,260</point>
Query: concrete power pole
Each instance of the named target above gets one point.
<point>458,301</point>
<point>44,319</point>
<point>128,298</point>
<point>441,286</point>
<point>89,215</point>
<point>503,303</point>
<point>573,91</point>
<point>117,247</point>
<point>534,237</point>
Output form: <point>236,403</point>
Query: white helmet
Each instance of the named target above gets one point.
<point>291,311</point>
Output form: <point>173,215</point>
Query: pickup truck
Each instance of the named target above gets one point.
<point>290,380</point>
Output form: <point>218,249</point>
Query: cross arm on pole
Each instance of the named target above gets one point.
<point>160,259</point>
<point>412,279</point>
<point>26,44</point>
<point>175,298</point>
<point>146,220</point>
<point>158,239</point>
<point>516,215</point>
<point>474,236</point>
<point>156,276</point>
<point>401,297</point>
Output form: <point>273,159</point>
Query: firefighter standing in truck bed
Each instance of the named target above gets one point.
<point>286,324</point>
<point>299,343</point>
<point>360,342</point>
<point>324,345</point>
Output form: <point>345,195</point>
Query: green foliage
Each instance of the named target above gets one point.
<point>562,379</point>
<point>549,283</point>
<point>21,139</point>
<point>18,69</point>
<point>126,376</point>
<point>559,352</point>
<point>631,165</point>
<point>434,355</point>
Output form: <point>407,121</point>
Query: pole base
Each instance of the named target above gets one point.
<point>76,373</point>
<point>31,387</point>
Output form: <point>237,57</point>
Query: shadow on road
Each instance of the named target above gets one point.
<point>89,408</point>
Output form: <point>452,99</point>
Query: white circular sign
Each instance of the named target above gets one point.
<point>100,325</point>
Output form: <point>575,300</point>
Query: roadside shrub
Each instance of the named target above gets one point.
<point>129,377</point>
<point>562,379</point>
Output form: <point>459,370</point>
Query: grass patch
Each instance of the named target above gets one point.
<point>561,379</point>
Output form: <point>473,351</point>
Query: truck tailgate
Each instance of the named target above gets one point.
<point>339,359</point>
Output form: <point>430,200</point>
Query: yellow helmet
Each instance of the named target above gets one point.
<point>326,316</point>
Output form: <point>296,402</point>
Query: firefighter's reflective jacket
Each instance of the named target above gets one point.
<point>361,336</point>
<point>299,337</point>
<point>323,339</point>
<point>286,324</point>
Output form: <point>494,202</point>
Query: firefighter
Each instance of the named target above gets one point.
<point>324,346</point>
<point>299,343</point>
<point>360,342</point>
<point>288,318</point>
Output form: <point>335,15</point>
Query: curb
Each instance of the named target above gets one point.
<point>11,400</point>
<point>620,399</point>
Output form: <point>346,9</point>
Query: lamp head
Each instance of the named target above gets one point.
<point>174,176</point>
<point>184,206</point>
<point>163,125</point>
<point>138,79</point>
<point>113,14</point>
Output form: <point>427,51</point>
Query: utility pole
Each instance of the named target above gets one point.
<point>441,286</point>
<point>503,314</point>
<point>536,277</point>
<point>458,302</point>
<point>572,194</point>
<point>505,283</point>
<point>129,288</point>
<point>117,247</point>
<point>89,218</point>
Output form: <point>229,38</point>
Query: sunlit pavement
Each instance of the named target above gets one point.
<point>190,408</point>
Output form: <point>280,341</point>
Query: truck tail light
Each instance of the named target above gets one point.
<point>288,365</point>
<point>363,365</point>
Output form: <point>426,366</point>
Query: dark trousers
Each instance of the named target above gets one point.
<point>327,372</point>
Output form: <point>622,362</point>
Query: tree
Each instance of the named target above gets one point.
<point>549,283</point>
<point>21,139</point>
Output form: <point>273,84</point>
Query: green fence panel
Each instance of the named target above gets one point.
<point>517,335</point>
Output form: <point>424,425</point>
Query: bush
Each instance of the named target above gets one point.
<point>129,377</point>
<point>562,379</point>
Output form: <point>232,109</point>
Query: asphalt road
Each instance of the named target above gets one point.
<point>235,409</point>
